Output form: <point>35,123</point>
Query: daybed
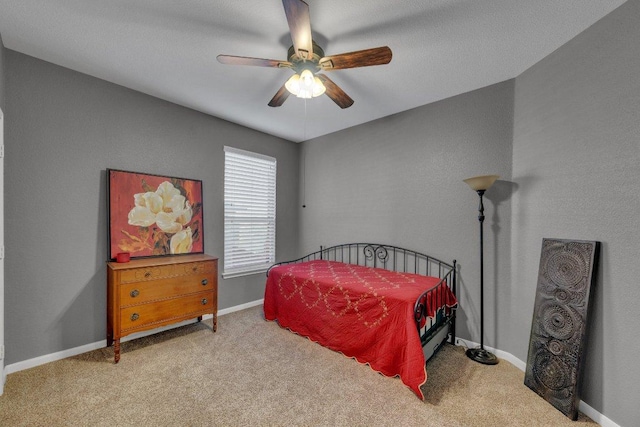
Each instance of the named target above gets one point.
<point>389,307</point>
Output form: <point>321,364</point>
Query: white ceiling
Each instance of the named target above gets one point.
<point>168,49</point>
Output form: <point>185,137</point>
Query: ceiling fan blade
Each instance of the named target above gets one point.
<point>258,62</point>
<point>299,21</point>
<point>334,92</point>
<point>279,98</point>
<point>361,58</point>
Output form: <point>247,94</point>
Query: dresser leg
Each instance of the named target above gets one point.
<point>215,322</point>
<point>199,318</point>
<point>116,350</point>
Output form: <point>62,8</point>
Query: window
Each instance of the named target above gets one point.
<point>249,212</point>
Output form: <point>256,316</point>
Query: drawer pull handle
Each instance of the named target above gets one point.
<point>195,268</point>
<point>205,282</point>
<point>147,274</point>
<point>134,317</point>
<point>134,293</point>
<point>204,301</point>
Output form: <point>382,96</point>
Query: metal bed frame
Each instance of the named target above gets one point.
<point>433,331</point>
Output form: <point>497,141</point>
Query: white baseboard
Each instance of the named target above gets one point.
<point>582,407</point>
<point>239,307</point>
<point>3,380</point>
<point>41,360</point>
<point>501,354</point>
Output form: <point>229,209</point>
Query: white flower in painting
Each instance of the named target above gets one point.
<point>184,215</point>
<point>149,200</point>
<point>182,242</point>
<point>167,191</point>
<point>147,206</point>
<point>175,203</point>
<point>141,216</point>
<point>176,213</point>
<point>166,221</point>
<point>165,207</point>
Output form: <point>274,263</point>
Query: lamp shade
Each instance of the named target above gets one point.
<point>305,85</point>
<point>483,182</point>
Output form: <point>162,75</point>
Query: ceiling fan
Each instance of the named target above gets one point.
<point>307,59</point>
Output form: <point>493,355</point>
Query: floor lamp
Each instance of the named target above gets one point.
<point>480,184</point>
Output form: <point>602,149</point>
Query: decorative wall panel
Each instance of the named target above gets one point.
<point>558,330</point>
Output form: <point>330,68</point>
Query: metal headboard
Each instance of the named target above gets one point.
<point>379,255</point>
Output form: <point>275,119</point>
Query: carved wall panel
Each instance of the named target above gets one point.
<point>558,329</point>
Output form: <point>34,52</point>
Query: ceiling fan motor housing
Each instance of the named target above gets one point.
<point>300,64</point>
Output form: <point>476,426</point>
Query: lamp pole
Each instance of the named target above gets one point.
<point>481,220</point>
<point>481,184</point>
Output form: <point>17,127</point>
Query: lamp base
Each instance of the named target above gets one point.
<point>483,356</point>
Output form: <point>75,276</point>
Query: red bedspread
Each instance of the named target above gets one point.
<point>363,312</point>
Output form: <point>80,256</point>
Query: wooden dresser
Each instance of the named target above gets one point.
<point>148,293</point>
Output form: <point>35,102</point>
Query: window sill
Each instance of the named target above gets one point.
<point>244,273</point>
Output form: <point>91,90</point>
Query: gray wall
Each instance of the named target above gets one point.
<point>63,129</point>
<point>2,316</point>
<point>576,162</point>
<point>398,180</point>
<point>2,49</point>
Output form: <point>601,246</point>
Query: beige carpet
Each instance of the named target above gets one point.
<point>252,372</point>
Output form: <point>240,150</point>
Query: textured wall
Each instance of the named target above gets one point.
<point>2,60</point>
<point>398,180</point>
<point>2,97</point>
<point>576,157</point>
<point>63,130</point>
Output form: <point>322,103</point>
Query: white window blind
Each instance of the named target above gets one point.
<point>249,212</point>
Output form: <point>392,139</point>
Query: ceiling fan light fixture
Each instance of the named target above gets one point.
<point>293,84</point>
<point>305,85</point>
<point>318,87</point>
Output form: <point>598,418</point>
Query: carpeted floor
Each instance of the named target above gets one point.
<point>252,372</point>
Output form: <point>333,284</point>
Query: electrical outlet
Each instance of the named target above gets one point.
<point>1,352</point>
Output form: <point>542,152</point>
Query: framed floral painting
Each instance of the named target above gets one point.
<point>153,215</point>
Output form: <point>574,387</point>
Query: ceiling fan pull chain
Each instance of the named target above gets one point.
<point>304,163</point>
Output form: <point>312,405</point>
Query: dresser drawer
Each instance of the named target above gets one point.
<point>167,311</point>
<point>154,290</point>
<point>167,271</point>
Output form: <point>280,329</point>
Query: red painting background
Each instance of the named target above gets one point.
<point>122,187</point>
